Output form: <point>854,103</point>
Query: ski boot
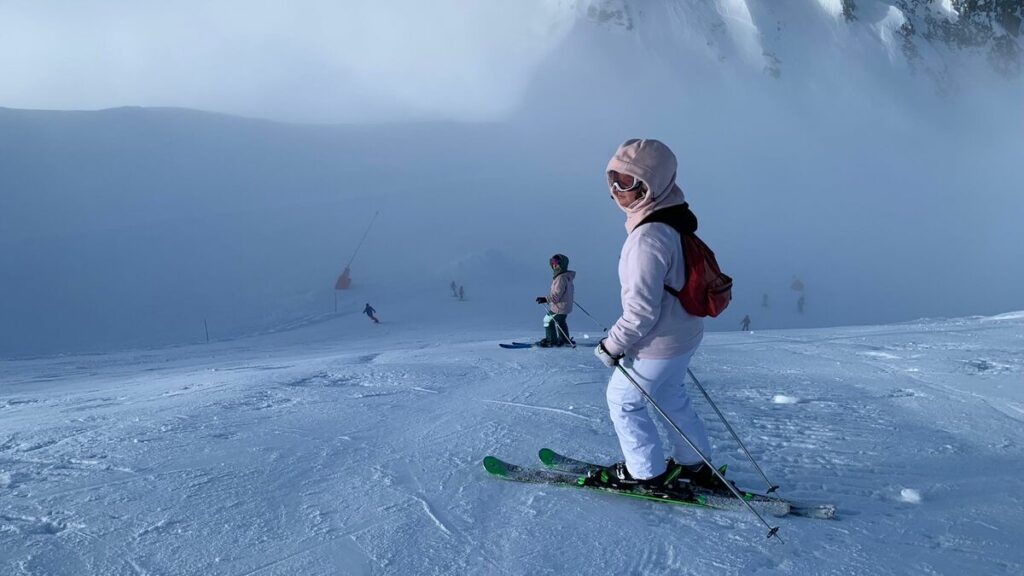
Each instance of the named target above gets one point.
<point>617,476</point>
<point>702,477</point>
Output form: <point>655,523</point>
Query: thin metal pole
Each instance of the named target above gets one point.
<point>771,487</point>
<point>772,530</point>
<point>558,328</point>
<point>599,325</point>
<point>360,245</point>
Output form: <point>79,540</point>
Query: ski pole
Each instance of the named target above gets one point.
<point>599,325</point>
<point>772,530</point>
<point>559,328</point>
<point>771,487</point>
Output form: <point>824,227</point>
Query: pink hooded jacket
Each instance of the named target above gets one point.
<point>653,322</point>
<point>560,299</point>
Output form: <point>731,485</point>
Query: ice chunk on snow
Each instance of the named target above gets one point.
<point>780,399</point>
<point>910,495</point>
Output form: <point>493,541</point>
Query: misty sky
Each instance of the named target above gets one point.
<point>311,61</point>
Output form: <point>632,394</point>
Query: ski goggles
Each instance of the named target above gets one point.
<point>622,183</point>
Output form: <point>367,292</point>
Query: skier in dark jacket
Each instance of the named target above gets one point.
<point>369,311</point>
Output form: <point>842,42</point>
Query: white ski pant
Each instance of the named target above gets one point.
<point>638,436</point>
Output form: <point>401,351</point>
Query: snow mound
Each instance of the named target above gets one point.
<point>1019,315</point>
<point>910,496</point>
<point>780,399</point>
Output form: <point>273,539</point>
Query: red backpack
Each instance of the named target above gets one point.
<point>707,290</point>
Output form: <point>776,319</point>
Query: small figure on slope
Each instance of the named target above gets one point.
<point>370,312</point>
<point>559,301</point>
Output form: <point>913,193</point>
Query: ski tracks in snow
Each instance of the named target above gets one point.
<point>367,461</point>
<point>547,408</point>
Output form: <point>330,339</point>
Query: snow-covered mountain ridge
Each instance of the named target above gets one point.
<point>928,36</point>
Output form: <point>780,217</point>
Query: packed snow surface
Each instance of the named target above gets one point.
<point>341,447</point>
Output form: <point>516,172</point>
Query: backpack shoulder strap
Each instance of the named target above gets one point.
<point>679,217</point>
<point>684,222</point>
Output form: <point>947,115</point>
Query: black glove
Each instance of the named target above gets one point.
<point>542,300</point>
<point>607,359</point>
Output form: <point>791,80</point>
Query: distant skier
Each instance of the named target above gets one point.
<point>559,301</point>
<point>462,292</point>
<point>370,312</point>
<point>455,290</point>
<point>800,304</point>
<point>764,300</point>
<point>745,323</point>
<point>655,337</point>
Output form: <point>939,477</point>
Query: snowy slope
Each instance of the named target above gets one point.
<point>345,448</point>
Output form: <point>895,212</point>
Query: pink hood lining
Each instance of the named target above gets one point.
<point>655,165</point>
